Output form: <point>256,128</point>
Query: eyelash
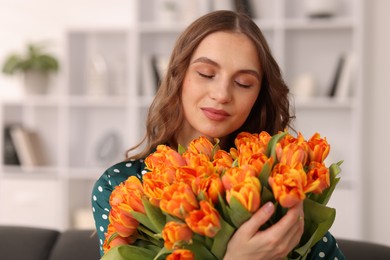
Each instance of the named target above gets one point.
<point>205,76</point>
<point>242,85</point>
<point>212,76</point>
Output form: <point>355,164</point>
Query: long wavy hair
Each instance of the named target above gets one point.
<point>271,111</point>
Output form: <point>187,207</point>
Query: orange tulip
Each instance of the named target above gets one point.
<point>287,184</point>
<point>222,161</point>
<point>153,186</point>
<point>186,174</point>
<point>115,239</point>
<point>237,175</point>
<point>164,156</point>
<point>319,148</point>
<point>175,234</point>
<point>132,194</point>
<point>289,139</point>
<point>292,155</point>
<point>123,222</point>
<point>199,162</point>
<point>204,221</point>
<point>178,200</point>
<point>181,254</point>
<point>258,161</point>
<point>202,145</point>
<point>209,185</point>
<point>318,178</point>
<point>247,193</point>
<point>252,143</point>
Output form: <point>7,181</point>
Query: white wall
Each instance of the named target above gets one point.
<point>29,20</point>
<point>377,121</point>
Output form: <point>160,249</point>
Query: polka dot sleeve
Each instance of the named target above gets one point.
<point>102,189</point>
<point>326,248</point>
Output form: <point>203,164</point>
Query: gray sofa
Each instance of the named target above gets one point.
<point>26,243</point>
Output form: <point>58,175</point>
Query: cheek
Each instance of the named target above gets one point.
<point>186,89</point>
<point>247,103</point>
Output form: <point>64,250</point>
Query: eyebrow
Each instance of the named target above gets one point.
<point>211,62</point>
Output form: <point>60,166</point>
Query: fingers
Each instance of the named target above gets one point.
<point>261,216</point>
<point>291,225</point>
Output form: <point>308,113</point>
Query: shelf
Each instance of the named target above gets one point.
<point>86,173</point>
<point>155,27</point>
<point>318,24</point>
<point>97,101</point>
<point>324,103</point>
<point>30,172</point>
<point>35,100</point>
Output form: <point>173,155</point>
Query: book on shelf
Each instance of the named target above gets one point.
<point>153,70</point>
<point>28,146</point>
<point>10,156</point>
<point>148,76</point>
<point>244,6</point>
<point>250,7</point>
<point>160,65</point>
<point>343,76</point>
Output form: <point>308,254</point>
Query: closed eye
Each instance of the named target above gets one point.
<point>208,76</point>
<point>243,85</point>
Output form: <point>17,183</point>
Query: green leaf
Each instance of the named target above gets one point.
<point>222,209</point>
<point>222,239</point>
<point>200,250</point>
<point>215,147</point>
<point>266,195</point>
<point>162,252</point>
<point>143,219</point>
<point>155,215</point>
<point>272,144</point>
<point>264,174</point>
<point>126,252</point>
<point>318,220</point>
<point>235,163</point>
<point>181,149</point>
<point>238,213</point>
<point>149,236</point>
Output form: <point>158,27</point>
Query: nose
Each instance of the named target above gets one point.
<point>221,91</point>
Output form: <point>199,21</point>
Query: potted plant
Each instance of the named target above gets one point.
<point>35,65</point>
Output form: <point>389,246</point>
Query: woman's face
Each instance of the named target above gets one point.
<point>220,86</point>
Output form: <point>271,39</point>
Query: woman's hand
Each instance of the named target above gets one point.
<point>273,243</point>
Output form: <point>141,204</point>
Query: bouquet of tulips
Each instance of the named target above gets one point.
<point>191,201</point>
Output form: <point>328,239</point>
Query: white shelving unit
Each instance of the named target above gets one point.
<point>78,120</point>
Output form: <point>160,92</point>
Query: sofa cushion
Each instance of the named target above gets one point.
<point>26,243</point>
<point>363,250</point>
<point>76,245</point>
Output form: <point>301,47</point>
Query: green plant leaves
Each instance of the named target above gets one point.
<point>318,220</point>
<point>125,252</point>
<point>34,59</point>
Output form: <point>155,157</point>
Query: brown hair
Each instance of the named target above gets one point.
<point>270,112</point>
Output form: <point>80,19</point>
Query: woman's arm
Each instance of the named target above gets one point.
<point>103,188</point>
<point>101,207</point>
<point>275,242</point>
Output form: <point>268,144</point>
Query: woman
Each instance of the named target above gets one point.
<point>221,80</point>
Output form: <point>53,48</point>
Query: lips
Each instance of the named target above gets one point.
<point>215,114</point>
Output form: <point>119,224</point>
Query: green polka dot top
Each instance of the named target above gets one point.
<point>326,248</point>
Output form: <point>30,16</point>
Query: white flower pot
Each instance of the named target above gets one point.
<point>36,82</point>
<point>321,8</point>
